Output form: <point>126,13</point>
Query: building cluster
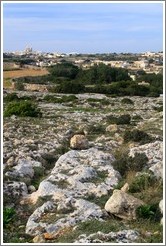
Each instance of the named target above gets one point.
<point>150,62</point>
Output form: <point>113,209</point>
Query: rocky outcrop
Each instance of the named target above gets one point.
<point>157,170</point>
<point>154,152</point>
<point>24,170</point>
<point>76,176</point>
<point>48,218</point>
<point>77,180</point>
<point>14,190</point>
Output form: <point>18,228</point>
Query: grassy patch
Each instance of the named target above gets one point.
<point>22,109</point>
<point>89,227</point>
<point>63,99</point>
<point>145,226</point>
<point>100,201</point>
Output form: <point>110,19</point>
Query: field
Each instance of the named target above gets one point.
<point>24,72</point>
<point>8,75</point>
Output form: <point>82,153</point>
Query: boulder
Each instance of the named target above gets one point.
<point>123,205</point>
<point>79,142</point>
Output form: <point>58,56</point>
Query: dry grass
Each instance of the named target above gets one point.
<point>24,72</point>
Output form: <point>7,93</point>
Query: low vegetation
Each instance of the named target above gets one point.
<point>137,136</point>
<point>119,120</point>
<point>127,163</point>
<point>22,109</point>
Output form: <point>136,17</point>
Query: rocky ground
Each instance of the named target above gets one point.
<point>59,172</point>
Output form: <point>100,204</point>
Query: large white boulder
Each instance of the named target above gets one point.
<point>123,205</point>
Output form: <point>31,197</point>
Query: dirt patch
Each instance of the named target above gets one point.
<point>24,72</point>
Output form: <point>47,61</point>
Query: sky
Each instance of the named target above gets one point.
<point>98,27</point>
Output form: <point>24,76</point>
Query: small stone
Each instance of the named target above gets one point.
<point>112,128</point>
<point>125,187</point>
<point>31,188</point>
<point>79,142</point>
<point>39,239</point>
<point>48,236</point>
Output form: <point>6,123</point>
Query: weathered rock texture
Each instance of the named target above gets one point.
<point>123,205</point>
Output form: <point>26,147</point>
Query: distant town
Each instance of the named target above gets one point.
<point>150,62</point>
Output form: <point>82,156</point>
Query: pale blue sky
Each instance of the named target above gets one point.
<point>83,27</point>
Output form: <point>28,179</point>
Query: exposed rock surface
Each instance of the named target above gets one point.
<point>67,186</point>
<point>154,152</point>
<point>76,175</point>
<point>125,236</point>
<point>78,210</point>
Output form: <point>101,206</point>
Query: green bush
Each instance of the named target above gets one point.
<point>136,136</point>
<point>103,101</point>
<point>158,109</point>
<point>137,117</point>
<point>64,69</point>
<point>11,97</point>
<point>142,182</point>
<point>63,99</point>
<point>121,120</point>
<point>19,86</point>
<point>96,129</point>
<point>149,211</point>
<point>8,216</point>
<point>127,101</point>
<point>22,109</point>
<point>138,162</point>
<point>70,87</point>
<point>127,163</point>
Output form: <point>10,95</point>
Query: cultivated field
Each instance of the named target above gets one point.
<point>24,72</point>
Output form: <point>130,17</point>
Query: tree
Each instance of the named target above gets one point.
<point>66,70</point>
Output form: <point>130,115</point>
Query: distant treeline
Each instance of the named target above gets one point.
<point>101,78</point>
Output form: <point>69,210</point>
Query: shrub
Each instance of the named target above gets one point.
<point>121,120</point>
<point>22,108</point>
<point>127,101</point>
<point>158,109</point>
<point>19,86</point>
<point>149,211</point>
<point>137,117</point>
<point>142,182</point>
<point>138,162</point>
<point>63,99</point>
<point>8,216</point>
<point>96,129</point>
<point>11,97</point>
<point>103,101</point>
<point>70,87</point>
<point>136,136</point>
<point>127,163</point>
